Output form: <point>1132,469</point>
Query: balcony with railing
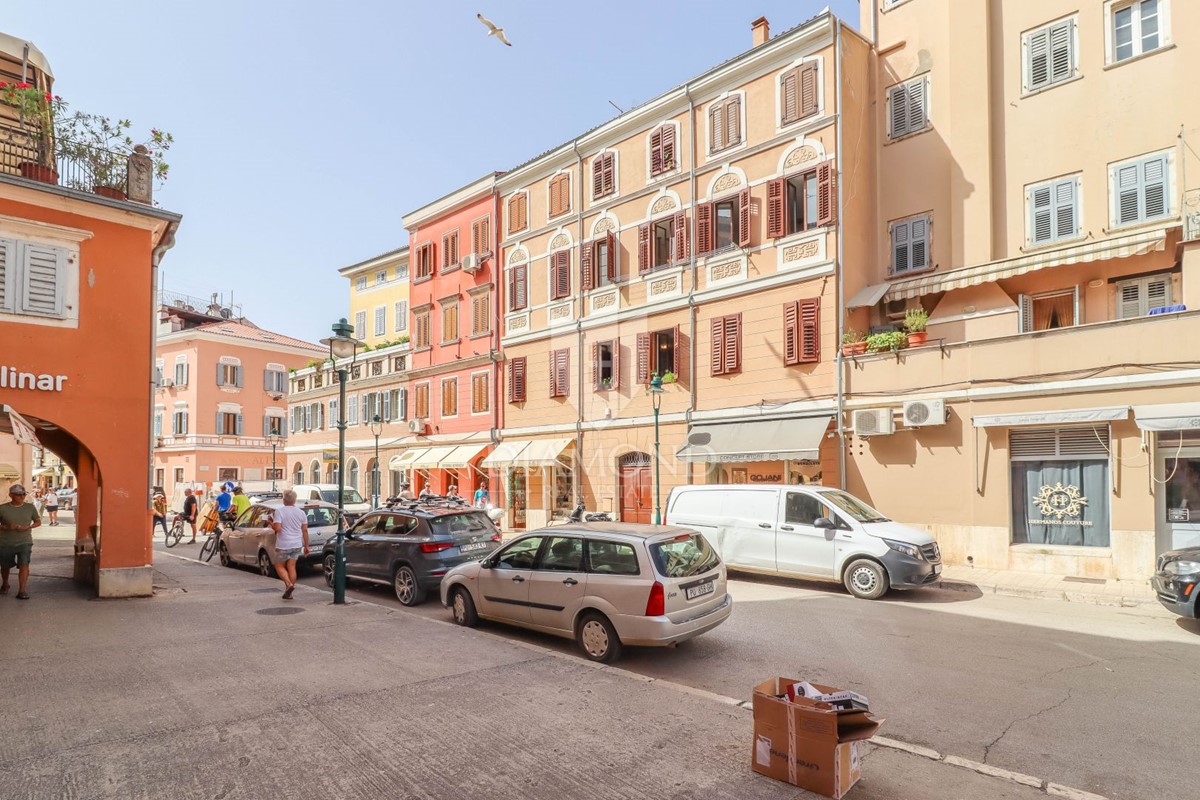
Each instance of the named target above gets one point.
<point>1191,215</point>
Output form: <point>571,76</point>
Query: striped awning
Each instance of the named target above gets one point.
<point>1134,244</point>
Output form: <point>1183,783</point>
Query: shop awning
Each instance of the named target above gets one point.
<point>868,296</point>
<point>542,453</point>
<point>1134,244</point>
<point>462,456</point>
<point>762,440</point>
<point>1168,417</point>
<point>504,454</point>
<point>1074,416</point>
<point>41,471</point>
<point>405,459</point>
<point>22,429</point>
<point>9,471</point>
<point>432,458</point>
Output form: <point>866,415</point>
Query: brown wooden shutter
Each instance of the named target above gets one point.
<point>733,121</point>
<point>587,271</point>
<point>676,350</point>
<point>716,127</point>
<point>668,147</point>
<point>810,329</point>
<point>553,373</point>
<point>776,189</point>
<point>744,218</point>
<point>562,274</point>
<point>564,193</point>
<point>595,365</point>
<point>704,228</point>
<point>791,333</point>
<point>512,289</point>
<point>645,263</point>
<point>826,201</point>
<point>643,358</point>
<point>616,363</point>
<point>598,176</point>
<point>552,193</point>
<point>656,151</point>
<point>718,346</point>
<point>808,90</point>
<point>611,238</point>
<point>732,343</point>
<point>789,91</point>
<point>682,246</point>
<point>560,367</point>
<point>522,285</point>
<point>475,248</point>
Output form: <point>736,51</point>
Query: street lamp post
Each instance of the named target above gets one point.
<point>656,393</point>
<point>342,345</point>
<point>274,440</point>
<point>376,429</point>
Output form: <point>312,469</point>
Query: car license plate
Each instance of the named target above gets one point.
<point>699,591</point>
<point>466,548</point>
<point>937,569</point>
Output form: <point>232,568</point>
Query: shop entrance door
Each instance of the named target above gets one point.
<point>637,504</point>
<point>1178,503</point>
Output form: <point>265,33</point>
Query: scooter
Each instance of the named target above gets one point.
<point>580,515</point>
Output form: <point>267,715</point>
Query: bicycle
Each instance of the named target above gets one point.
<point>175,532</point>
<point>210,546</point>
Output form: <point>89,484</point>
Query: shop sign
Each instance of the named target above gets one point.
<point>756,477</point>
<point>1179,515</point>
<point>329,456</point>
<point>11,378</point>
<point>1060,505</point>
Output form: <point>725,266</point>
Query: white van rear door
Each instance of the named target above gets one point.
<point>749,518</point>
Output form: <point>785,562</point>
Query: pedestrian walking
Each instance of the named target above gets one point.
<point>406,493</point>
<point>17,521</point>
<point>291,540</point>
<point>482,498</point>
<point>160,511</point>
<point>51,500</point>
<point>191,509</point>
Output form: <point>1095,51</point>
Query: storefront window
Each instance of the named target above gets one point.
<point>562,488</point>
<point>1060,486</point>
<point>1183,488</point>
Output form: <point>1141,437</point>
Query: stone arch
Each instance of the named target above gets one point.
<point>805,151</point>
<point>726,181</point>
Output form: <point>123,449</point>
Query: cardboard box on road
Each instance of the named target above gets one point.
<point>808,743</point>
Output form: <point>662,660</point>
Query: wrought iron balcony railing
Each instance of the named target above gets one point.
<point>27,153</point>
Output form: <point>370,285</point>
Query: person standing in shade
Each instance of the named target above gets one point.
<point>482,497</point>
<point>51,498</point>
<point>191,509</point>
<point>291,540</point>
<point>17,521</point>
<point>160,512</point>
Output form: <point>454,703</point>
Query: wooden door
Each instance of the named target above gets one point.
<point>637,501</point>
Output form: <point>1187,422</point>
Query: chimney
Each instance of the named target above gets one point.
<point>761,30</point>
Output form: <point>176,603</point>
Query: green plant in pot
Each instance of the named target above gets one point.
<point>915,320</point>
<point>668,377</point>
<point>887,341</point>
<point>854,343</point>
<point>101,146</point>
<point>37,110</point>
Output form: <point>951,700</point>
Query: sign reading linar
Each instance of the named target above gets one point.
<point>12,378</point>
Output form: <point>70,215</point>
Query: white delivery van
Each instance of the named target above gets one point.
<point>808,532</point>
<point>353,504</point>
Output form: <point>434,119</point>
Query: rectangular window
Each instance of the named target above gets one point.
<point>179,474</point>
<point>449,389</point>
<point>606,368</point>
<point>275,381</point>
<point>480,393</point>
<point>227,473</point>
<point>908,107</point>
<point>1049,55</point>
<point>727,344</point>
<point>1060,486</point>
<point>910,245</point>
<point>273,426</point>
<point>518,212</point>
<point>723,224</point>
<point>360,283</point>
<point>1137,28</point>
<point>380,320</point>
<point>229,375</point>
<point>802,331</point>
<point>421,401</point>
<point>229,424</point>
<point>560,275</point>
<point>604,175</point>
<point>725,124</point>
<point>158,423</point>
<point>611,558</point>
<point>1053,211</point>
<point>518,287</point>
<point>422,333</point>
<point>449,321</point>
<point>658,354</point>
<point>450,251</point>
<point>560,195</point>
<point>360,325</point>
<point>481,236</point>
<point>181,373</point>
<point>424,257</point>
<point>402,271</point>
<point>401,312</point>
<point>33,279</point>
<point>801,202</point>
<point>604,261</point>
<point>1137,297</point>
<point>481,307</point>
<point>662,149</point>
<point>179,422</point>
<point>381,276</point>
<point>560,373</point>
<point>664,243</point>
<point>1140,190</point>
<point>516,379</point>
<point>799,96</point>
<point>1049,311</point>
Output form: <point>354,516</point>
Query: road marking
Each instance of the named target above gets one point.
<point>1079,652</point>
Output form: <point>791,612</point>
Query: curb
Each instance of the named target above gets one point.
<point>1062,595</point>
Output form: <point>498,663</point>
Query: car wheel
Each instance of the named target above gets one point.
<point>866,579</point>
<point>463,607</point>
<point>223,553</point>
<point>264,564</point>
<point>598,638</point>
<point>408,590</point>
<point>329,565</point>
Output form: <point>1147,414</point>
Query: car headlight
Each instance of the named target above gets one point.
<point>912,551</point>
<point>1181,567</point>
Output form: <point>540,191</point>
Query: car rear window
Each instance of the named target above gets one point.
<point>477,523</point>
<point>611,558</point>
<point>320,517</point>
<point>684,556</point>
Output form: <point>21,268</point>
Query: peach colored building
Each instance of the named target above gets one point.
<point>16,464</point>
<point>222,397</point>
<point>1036,190</point>
<point>696,238</point>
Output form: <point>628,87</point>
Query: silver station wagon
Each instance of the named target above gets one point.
<point>603,584</point>
<point>250,541</point>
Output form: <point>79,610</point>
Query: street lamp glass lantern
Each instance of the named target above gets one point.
<point>342,344</point>
<point>656,391</point>
<point>376,425</point>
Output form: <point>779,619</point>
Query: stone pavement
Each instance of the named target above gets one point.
<point>216,687</point>
<point>1039,585</point>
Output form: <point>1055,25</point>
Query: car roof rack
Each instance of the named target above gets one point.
<point>427,503</point>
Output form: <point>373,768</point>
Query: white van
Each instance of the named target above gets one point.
<point>808,532</point>
<point>353,503</point>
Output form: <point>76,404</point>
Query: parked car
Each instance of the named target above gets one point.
<point>352,502</point>
<point>66,499</point>
<point>603,584</point>
<point>251,540</point>
<point>1177,581</point>
<point>412,546</point>
<point>808,532</point>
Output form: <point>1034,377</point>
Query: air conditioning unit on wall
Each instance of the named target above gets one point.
<point>874,422</point>
<point>924,413</point>
<point>166,383</point>
<point>472,263</point>
<point>416,426</point>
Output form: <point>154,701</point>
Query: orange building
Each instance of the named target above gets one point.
<point>77,326</point>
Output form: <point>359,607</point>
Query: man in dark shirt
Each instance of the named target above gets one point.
<point>17,521</point>
<point>190,510</point>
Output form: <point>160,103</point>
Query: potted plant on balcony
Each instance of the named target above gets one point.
<point>102,148</point>
<point>915,320</point>
<point>668,377</point>
<point>853,343</point>
<point>37,111</point>
<point>888,340</point>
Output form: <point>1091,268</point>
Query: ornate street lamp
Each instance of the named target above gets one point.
<point>656,393</point>
<point>376,429</point>
<point>342,345</point>
<point>274,440</point>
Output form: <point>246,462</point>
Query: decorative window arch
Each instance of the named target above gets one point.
<point>352,474</point>
<point>726,181</point>
<point>315,471</point>
<point>805,151</point>
<point>604,223</point>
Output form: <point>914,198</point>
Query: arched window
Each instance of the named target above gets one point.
<point>353,472</point>
<point>298,473</point>
<point>315,469</point>
<point>332,474</point>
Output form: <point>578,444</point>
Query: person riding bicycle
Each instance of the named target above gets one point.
<point>225,503</point>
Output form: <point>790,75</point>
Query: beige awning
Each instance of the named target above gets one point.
<point>504,454</point>
<point>761,440</point>
<point>432,458</point>
<point>405,459</point>
<point>1168,417</point>
<point>462,456</point>
<point>15,49</point>
<point>542,453</point>
<point>9,471</point>
<point>1134,244</point>
<point>1074,416</point>
<point>868,296</point>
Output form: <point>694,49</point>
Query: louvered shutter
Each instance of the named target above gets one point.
<point>656,151</point>
<point>616,363</point>
<point>644,244</point>
<point>681,244</point>
<point>518,287</point>
<point>517,382</point>
<point>791,333</point>
<point>716,127</point>
<point>810,330</point>
<point>475,246</point>
<point>643,358</point>
<point>44,279</point>
<point>220,374</point>
<point>1042,220</point>
<point>564,373</point>
<point>1025,304</point>
<point>733,121</point>
<point>238,425</point>
<point>704,228</point>
<point>918,231</point>
<point>598,176</point>
<point>555,208</point>
<point>1154,187</point>
<point>266,421</point>
<point>562,274</point>
<point>826,201</point>
<point>718,346</point>
<point>587,268</point>
<point>744,218</point>
<point>915,112</point>
<point>775,208</point>
<point>8,269</point>
<point>789,96</point>
<point>387,407</point>
<point>668,147</point>
<point>809,95</point>
<point>1128,193</point>
<point>676,350</point>
<point>1062,45</point>
<point>268,380</point>
<point>1158,292</point>
<point>183,423</point>
<point>900,250</point>
<point>1038,59</point>
<point>595,365</point>
<point>898,113</point>
<point>611,239</point>
<point>732,337</point>
<point>1065,218</point>
<point>237,377</point>
<point>553,373</point>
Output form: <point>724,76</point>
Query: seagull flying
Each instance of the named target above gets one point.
<point>492,29</point>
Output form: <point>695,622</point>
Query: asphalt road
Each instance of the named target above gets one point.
<point>1091,697</point>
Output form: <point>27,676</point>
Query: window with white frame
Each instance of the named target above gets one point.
<point>1049,55</point>
<point>229,423</point>
<point>229,372</point>
<point>1137,27</point>
<point>401,313</point>
<point>159,411</point>
<point>910,244</point>
<point>35,280</point>
<point>273,425</point>
<point>1140,189</point>
<point>360,283</point>
<point>360,325</point>
<point>1053,211</point>
<point>275,379</point>
<point>179,421</point>
<point>1049,310</point>
<point>181,371</point>
<point>380,320</point>
<point>908,107</point>
<point>381,276</point>
<point>1137,297</point>
<point>402,271</point>
<point>158,372</point>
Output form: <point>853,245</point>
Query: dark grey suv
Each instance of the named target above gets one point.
<point>1177,581</point>
<point>412,545</point>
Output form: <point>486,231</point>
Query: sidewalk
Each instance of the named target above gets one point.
<point>1039,585</point>
<point>217,688</point>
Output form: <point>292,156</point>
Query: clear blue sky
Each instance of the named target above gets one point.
<point>304,131</point>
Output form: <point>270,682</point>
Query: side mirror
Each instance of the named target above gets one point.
<point>823,522</point>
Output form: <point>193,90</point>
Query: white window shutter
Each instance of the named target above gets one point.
<point>1130,300</point>
<point>1128,185</point>
<point>1062,51</point>
<point>184,426</point>
<point>1037,59</point>
<point>8,275</point>
<point>918,231</point>
<point>1154,183</point>
<point>916,105</point>
<point>403,413</point>
<point>898,95</point>
<point>1158,292</point>
<point>238,428</point>
<point>1065,218</point>
<point>1025,303</point>
<point>44,278</point>
<point>387,406</point>
<point>1041,225</point>
<point>900,260</point>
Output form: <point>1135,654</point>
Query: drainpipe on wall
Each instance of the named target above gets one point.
<point>576,486</point>
<point>164,244</point>
<point>687,90</point>
<point>496,354</point>
<point>841,280</point>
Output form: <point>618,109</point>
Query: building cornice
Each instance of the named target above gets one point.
<point>456,200</point>
<point>187,334</point>
<point>397,256</point>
